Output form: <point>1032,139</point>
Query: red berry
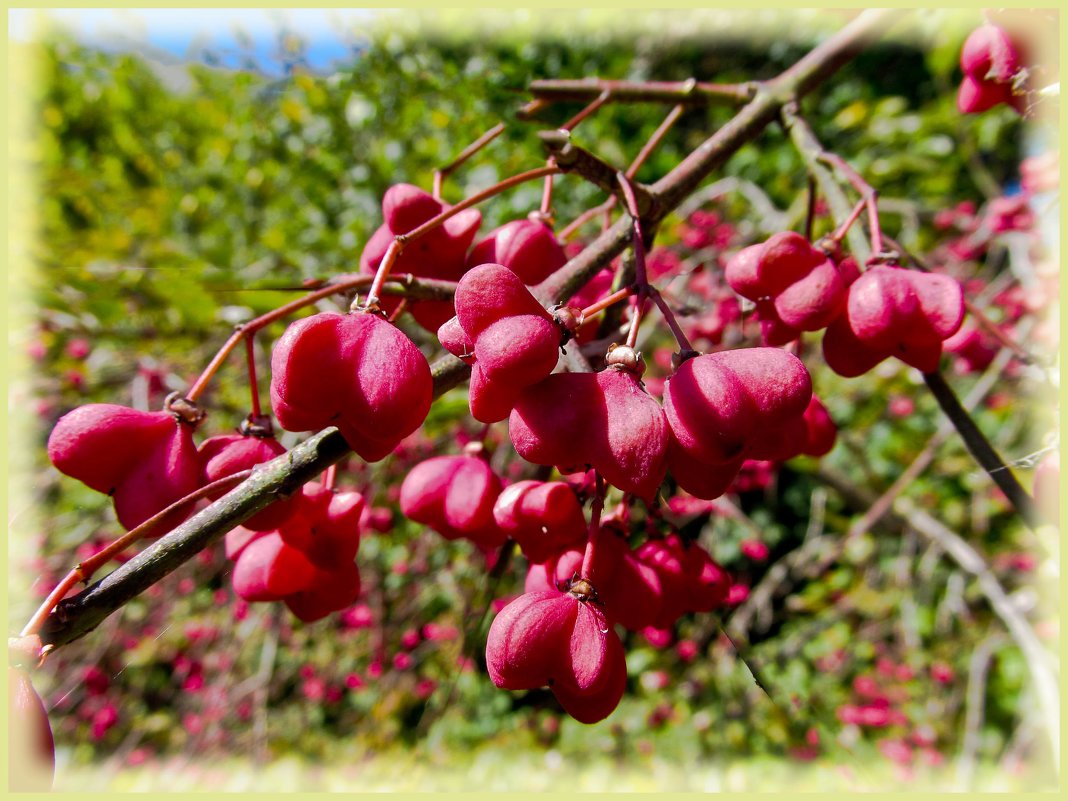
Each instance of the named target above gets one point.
<point>227,454</point>
<point>544,518</point>
<point>438,254</point>
<point>604,419</point>
<point>556,639</point>
<point>508,337</point>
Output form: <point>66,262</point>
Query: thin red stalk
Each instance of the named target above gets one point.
<point>397,312</point>
<point>590,556</point>
<point>84,570</point>
<point>547,195</point>
<point>442,172</point>
<point>585,217</point>
<point>637,240</point>
<point>636,319</point>
<point>673,323</point>
<point>866,190</point>
<point>599,101</point>
<point>253,387</point>
<point>330,476</point>
<point>654,140</point>
<point>606,301</point>
<point>847,223</point>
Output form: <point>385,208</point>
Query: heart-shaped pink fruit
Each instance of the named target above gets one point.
<point>145,460</point>
<point>559,640</point>
<point>508,337</point>
<point>226,454</point>
<point>438,254</point>
<point>894,312</point>
<point>526,247</point>
<point>606,420</point>
<point>354,371</point>
<point>717,404</point>
<point>454,495</point>
<point>543,517</point>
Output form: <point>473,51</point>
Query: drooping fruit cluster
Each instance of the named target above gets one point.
<point>543,517</point>
<point>605,420</point>
<point>307,562</point>
<point>725,407</point>
<point>992,65</point>
<point>563,641</point>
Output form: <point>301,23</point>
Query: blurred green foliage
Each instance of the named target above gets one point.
<point>177,202</point>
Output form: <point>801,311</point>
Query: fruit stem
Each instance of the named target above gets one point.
<point>685,348</point>
<point>546,207</point>
<point>83,571</point>
<point>606,301</point>
<point>330,476</point>
<point>655,140</point>
<point>641,276</point>
<point>442,173</point>
<point>254,390</point>
<point>401,240</point>
<point>600,100</point>
<point>847,223</point>
<point>867,192</point>
<point>590,556</point>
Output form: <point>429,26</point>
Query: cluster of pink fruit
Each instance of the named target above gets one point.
<point>362,374</point>
<point>886,311</point>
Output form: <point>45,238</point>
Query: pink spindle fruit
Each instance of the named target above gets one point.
<point>438,254</point>
<point>355,371</point>
<point>894,312</point>
<point>990,61</point>
<point>526,247</point>
<point>718,404</point>
<point>605,420</point>
<point>797,287</point>
<point>145,460</point>
<point>227,454</point>
<point>510,340</point>
<point>562,640</point>
<point>454,495</point>
<point>543,517</point>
